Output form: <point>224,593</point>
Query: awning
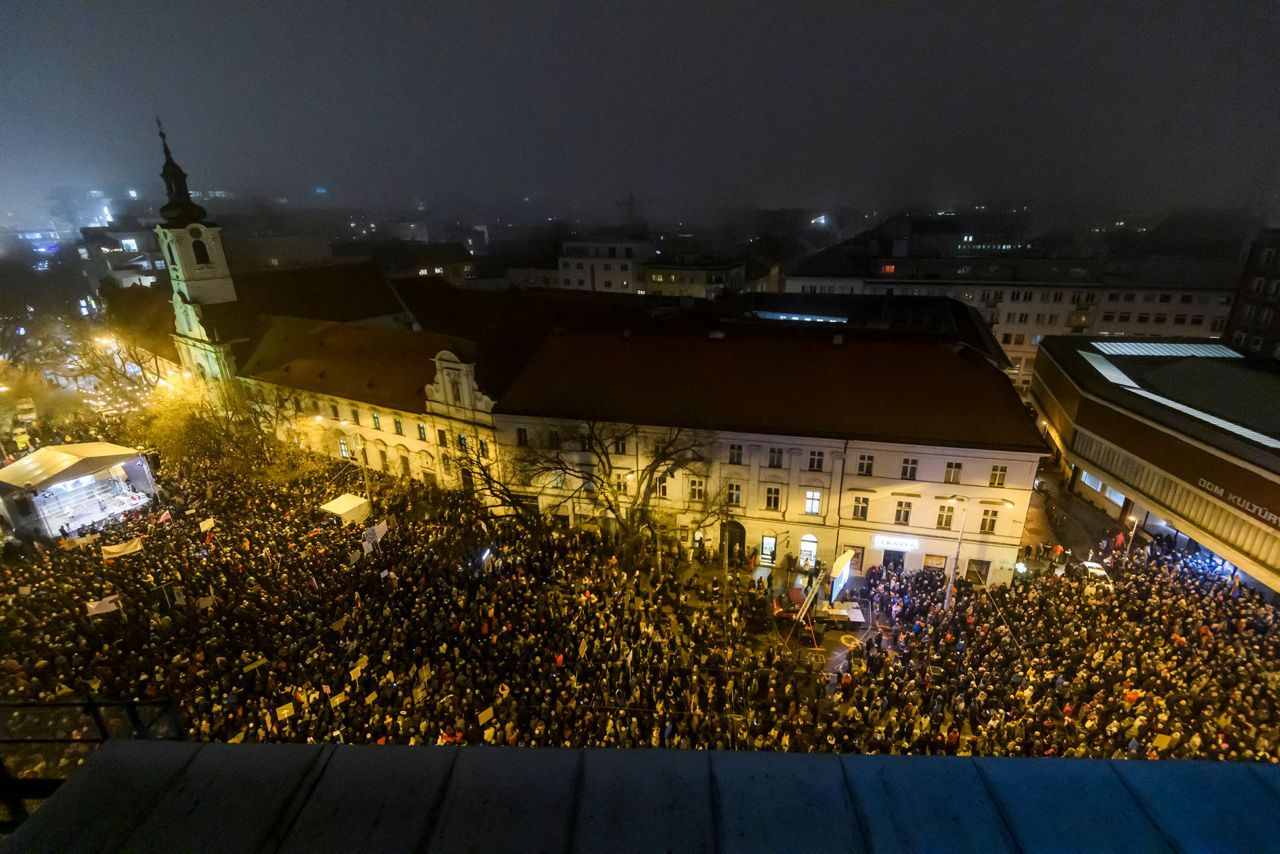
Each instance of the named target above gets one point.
<point>60,463</point>
<point>348,507</point>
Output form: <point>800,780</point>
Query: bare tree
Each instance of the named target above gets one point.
<point>621,469</point>
<point>501,478</point>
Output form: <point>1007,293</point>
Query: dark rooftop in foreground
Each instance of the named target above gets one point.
<point>171,796</point>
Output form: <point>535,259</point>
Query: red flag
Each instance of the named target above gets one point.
<point>165,517</point>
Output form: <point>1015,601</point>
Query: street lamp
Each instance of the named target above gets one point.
<point>1133,532</point>
<point>951,576</point>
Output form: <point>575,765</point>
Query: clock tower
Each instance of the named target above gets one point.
<point>192,249</point>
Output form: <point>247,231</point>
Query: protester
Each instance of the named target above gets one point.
<point>460,628</point>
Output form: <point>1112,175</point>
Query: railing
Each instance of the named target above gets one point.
<point>42,742</point>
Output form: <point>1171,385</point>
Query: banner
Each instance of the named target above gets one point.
<point>134,545</point>
<point>103,606</point>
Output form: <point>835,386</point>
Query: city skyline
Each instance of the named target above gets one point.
<point>693,109</point>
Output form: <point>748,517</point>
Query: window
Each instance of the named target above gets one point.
<point>553,440</point>
<point>462,442</point>
<point>662,486</point>
<point>808,549</point>
<point>1198,319</point>
<point>815,460</point>
<point>997,475</point>
<point>522,437</point>
<point>382,459</point>
<point>619,446</point>
<point>735,494</point>
<point>902,513</point>
<point>861,504</point>
<point>1115,496</point>
<point>442,439</point>
<point>945,514</point>
<point>1108,316</point>
<point>772,497</point>
<point>355,416</point>
<point>812,502</point>
<point>866,465</point>
<point>620,483</point>
<point>735,455</point>
<point>1091,481</point>
<point>343,450</point>
<point>953,472</point>
<point>1124,317</point>
<point>129,244</point>
<point>200,251</point>
<point>775,458</point>
<point>484,449</point>
<point>1179,320</point>
<point>697,488</point>
<point>909,468</point>
<point>989,521</point>
<point>398,426</point>
<point>377,421</point>
<point>333,409</point>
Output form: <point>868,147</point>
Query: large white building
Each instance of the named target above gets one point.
<point>751,435</point>
<point>603,265</point>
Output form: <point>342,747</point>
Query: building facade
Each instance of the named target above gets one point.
<point>1254,326</point>
<point>605,265</point>
<point>1168,438</point>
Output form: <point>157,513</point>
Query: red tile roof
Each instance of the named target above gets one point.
<point>883,387</point>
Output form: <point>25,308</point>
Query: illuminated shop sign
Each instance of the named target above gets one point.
<point>1250,507</point>
<point>895,544</point>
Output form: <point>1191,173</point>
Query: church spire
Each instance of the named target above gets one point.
<point>180,210</point>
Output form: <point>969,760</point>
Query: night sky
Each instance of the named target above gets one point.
<point>692,106</point>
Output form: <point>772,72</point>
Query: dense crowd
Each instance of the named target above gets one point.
<point>461,628</point>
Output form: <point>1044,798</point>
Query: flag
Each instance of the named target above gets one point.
<point>103,606</point>
<point>166,516</point>
<point>121,549</point>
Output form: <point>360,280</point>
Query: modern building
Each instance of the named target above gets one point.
<point>450,261</point>
<point>1254,326</point>
<point>607,265</point>
<point>125,253</point>
<point>703,278</point>
<point>1178,438</point>
<point>1167,283</point>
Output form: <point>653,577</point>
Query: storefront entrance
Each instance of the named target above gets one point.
<point>734,539</point>
<point>768,549</point>
<point>894,559</point>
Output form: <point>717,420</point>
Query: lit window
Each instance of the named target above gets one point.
<point>129,244</point>
<point>343,450</point>
<point>1091,481</point>
<point>888,268</point>
<point>735,494</point>
<point>812,502</point>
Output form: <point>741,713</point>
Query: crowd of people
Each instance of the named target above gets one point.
<point>456,627</point>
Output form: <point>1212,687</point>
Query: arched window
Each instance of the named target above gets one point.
<point>201,251</point>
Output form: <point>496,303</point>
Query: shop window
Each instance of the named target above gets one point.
<point>813,502</point>
<point>772,498</point>
<point>902,513</point>
<point>989,521</point>
<point>768,549</point>
<point>997,475</point>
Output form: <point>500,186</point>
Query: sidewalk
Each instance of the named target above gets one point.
<point>1076,524</point>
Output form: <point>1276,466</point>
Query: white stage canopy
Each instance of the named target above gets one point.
<point>348,508</point>
<point>60,463</point>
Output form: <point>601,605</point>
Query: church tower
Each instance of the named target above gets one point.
<point>198,271</point>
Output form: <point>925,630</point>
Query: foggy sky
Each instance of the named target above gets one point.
<point>691,106</point>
